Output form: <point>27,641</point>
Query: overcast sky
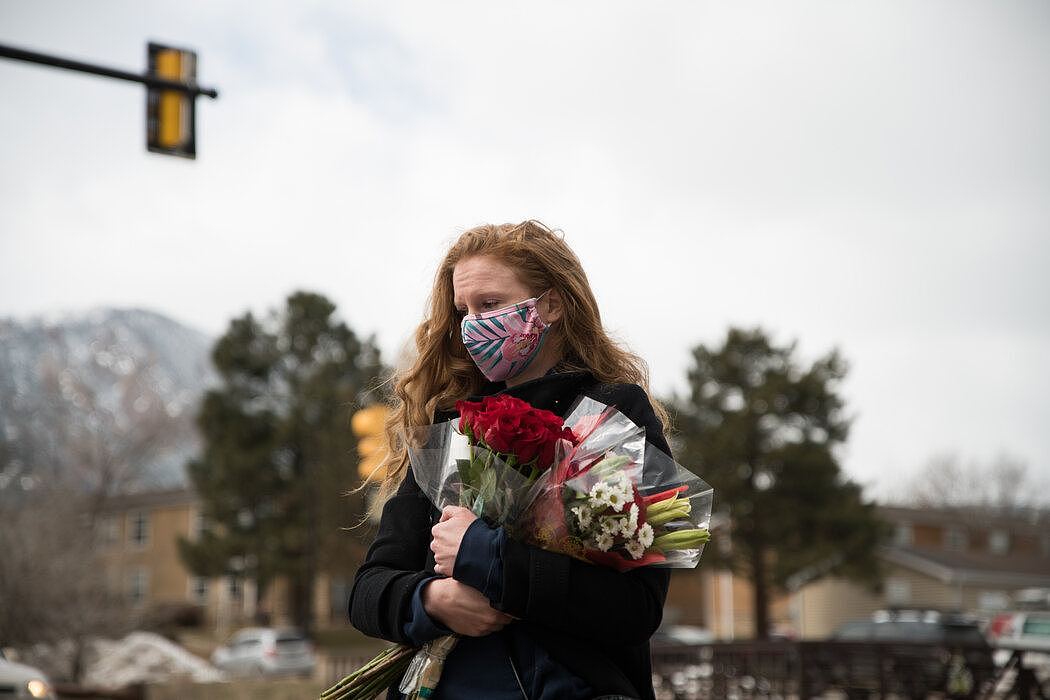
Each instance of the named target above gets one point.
<point>872,176</point>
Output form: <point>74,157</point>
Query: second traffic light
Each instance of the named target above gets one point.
<point>369,425</point>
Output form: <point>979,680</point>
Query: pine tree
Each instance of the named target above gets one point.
<point>279,454</point>
<point>762,431</point>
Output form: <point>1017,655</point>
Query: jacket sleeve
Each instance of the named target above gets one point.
<point>381,598</point>
<point>570,595</point>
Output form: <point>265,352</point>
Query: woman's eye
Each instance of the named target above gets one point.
<point>492,303</point>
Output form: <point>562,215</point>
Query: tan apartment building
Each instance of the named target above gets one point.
<point>720,602</point>
<point>940,558</point>
<point>943,558</point>
<point>947,559</point>
<point>138,546</point>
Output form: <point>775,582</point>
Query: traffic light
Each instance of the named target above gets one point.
<point>172,90</point>
<point>170,114</point>
<point>369,425</point>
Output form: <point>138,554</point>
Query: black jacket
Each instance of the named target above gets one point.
<point>593,620</point>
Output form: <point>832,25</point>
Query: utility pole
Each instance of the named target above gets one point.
<point>171,92</point>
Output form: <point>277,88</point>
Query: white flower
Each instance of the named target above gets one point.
<point>645,535</point>
<point>635,548</point>
<point>617,499</point>
<point>630,524</point>
<point>583,516</point>
<point>599,494</point>
<point>610,525</point>
<point>605,541</point>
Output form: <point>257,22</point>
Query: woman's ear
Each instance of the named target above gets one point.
<point>554,307</point>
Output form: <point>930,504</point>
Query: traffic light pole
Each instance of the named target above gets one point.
<point>79,66</point>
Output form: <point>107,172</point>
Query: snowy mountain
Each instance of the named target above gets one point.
<point>107,397</point>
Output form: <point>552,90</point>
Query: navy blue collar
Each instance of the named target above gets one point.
<point>554,391</point>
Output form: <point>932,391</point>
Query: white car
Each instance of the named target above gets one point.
<point>682,635</point>
<point>1032,629</point>
<point>265,651</point>
<point>21,681</point>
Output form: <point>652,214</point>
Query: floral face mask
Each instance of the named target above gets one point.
<point>505,341</point>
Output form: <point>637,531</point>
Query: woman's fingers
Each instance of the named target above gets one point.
<point>451,511</point>
<point>447,535</point>
<point>445,553</point>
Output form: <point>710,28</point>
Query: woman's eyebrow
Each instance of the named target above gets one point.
<point>479,296</point>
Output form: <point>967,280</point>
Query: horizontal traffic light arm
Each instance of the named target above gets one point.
<point>79,66</point>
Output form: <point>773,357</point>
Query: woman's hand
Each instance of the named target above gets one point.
<point>461,608</point>
<point>447,535</point>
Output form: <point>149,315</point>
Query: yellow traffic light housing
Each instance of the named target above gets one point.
<point>172,89</point>
<point>171,114</point>
<point>369,426</point>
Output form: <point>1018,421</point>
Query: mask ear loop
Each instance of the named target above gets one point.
<point>536,313</point>
<point>548,303</point>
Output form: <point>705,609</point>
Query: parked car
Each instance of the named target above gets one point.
<point>928,651</point>
<point>21,681</point>
<point>918,626</point>
<point>1027,629</point>
<point>1024,630</point>
<point>682,635</point>
<point>265,651</point>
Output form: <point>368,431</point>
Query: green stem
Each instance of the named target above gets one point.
<point>378,681</point>
<point>373,676</point>
<point>356,674</point>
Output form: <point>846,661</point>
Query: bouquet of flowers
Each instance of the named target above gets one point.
<point>587,486</point>
<point>613,501</point>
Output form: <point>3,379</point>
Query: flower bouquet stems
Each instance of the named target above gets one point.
<point>374,677</point>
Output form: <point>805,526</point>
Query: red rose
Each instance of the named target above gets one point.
<point>467,411</point>
<point>534,441</point>
<point>508,425</point>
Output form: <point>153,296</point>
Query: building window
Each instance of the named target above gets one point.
<point>235,587</point>
<point>138,529</point>
<point>898,591</point>
<point>902,535</point>
<point>108,531</point>
<point>955,539</point>
<point>998,541</point>
<point>198,525</point>
<point>199,590</point>
<point>138,585</point>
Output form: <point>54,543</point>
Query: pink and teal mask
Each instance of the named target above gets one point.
<point>505,341</point>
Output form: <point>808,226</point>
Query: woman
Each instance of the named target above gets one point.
<point>533,624</point>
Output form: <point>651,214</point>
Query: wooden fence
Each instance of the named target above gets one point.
<point>805,670</point>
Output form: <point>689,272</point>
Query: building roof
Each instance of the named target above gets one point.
<point>1027,521</point>
<point>973,568</point>
<point>150,499</point>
